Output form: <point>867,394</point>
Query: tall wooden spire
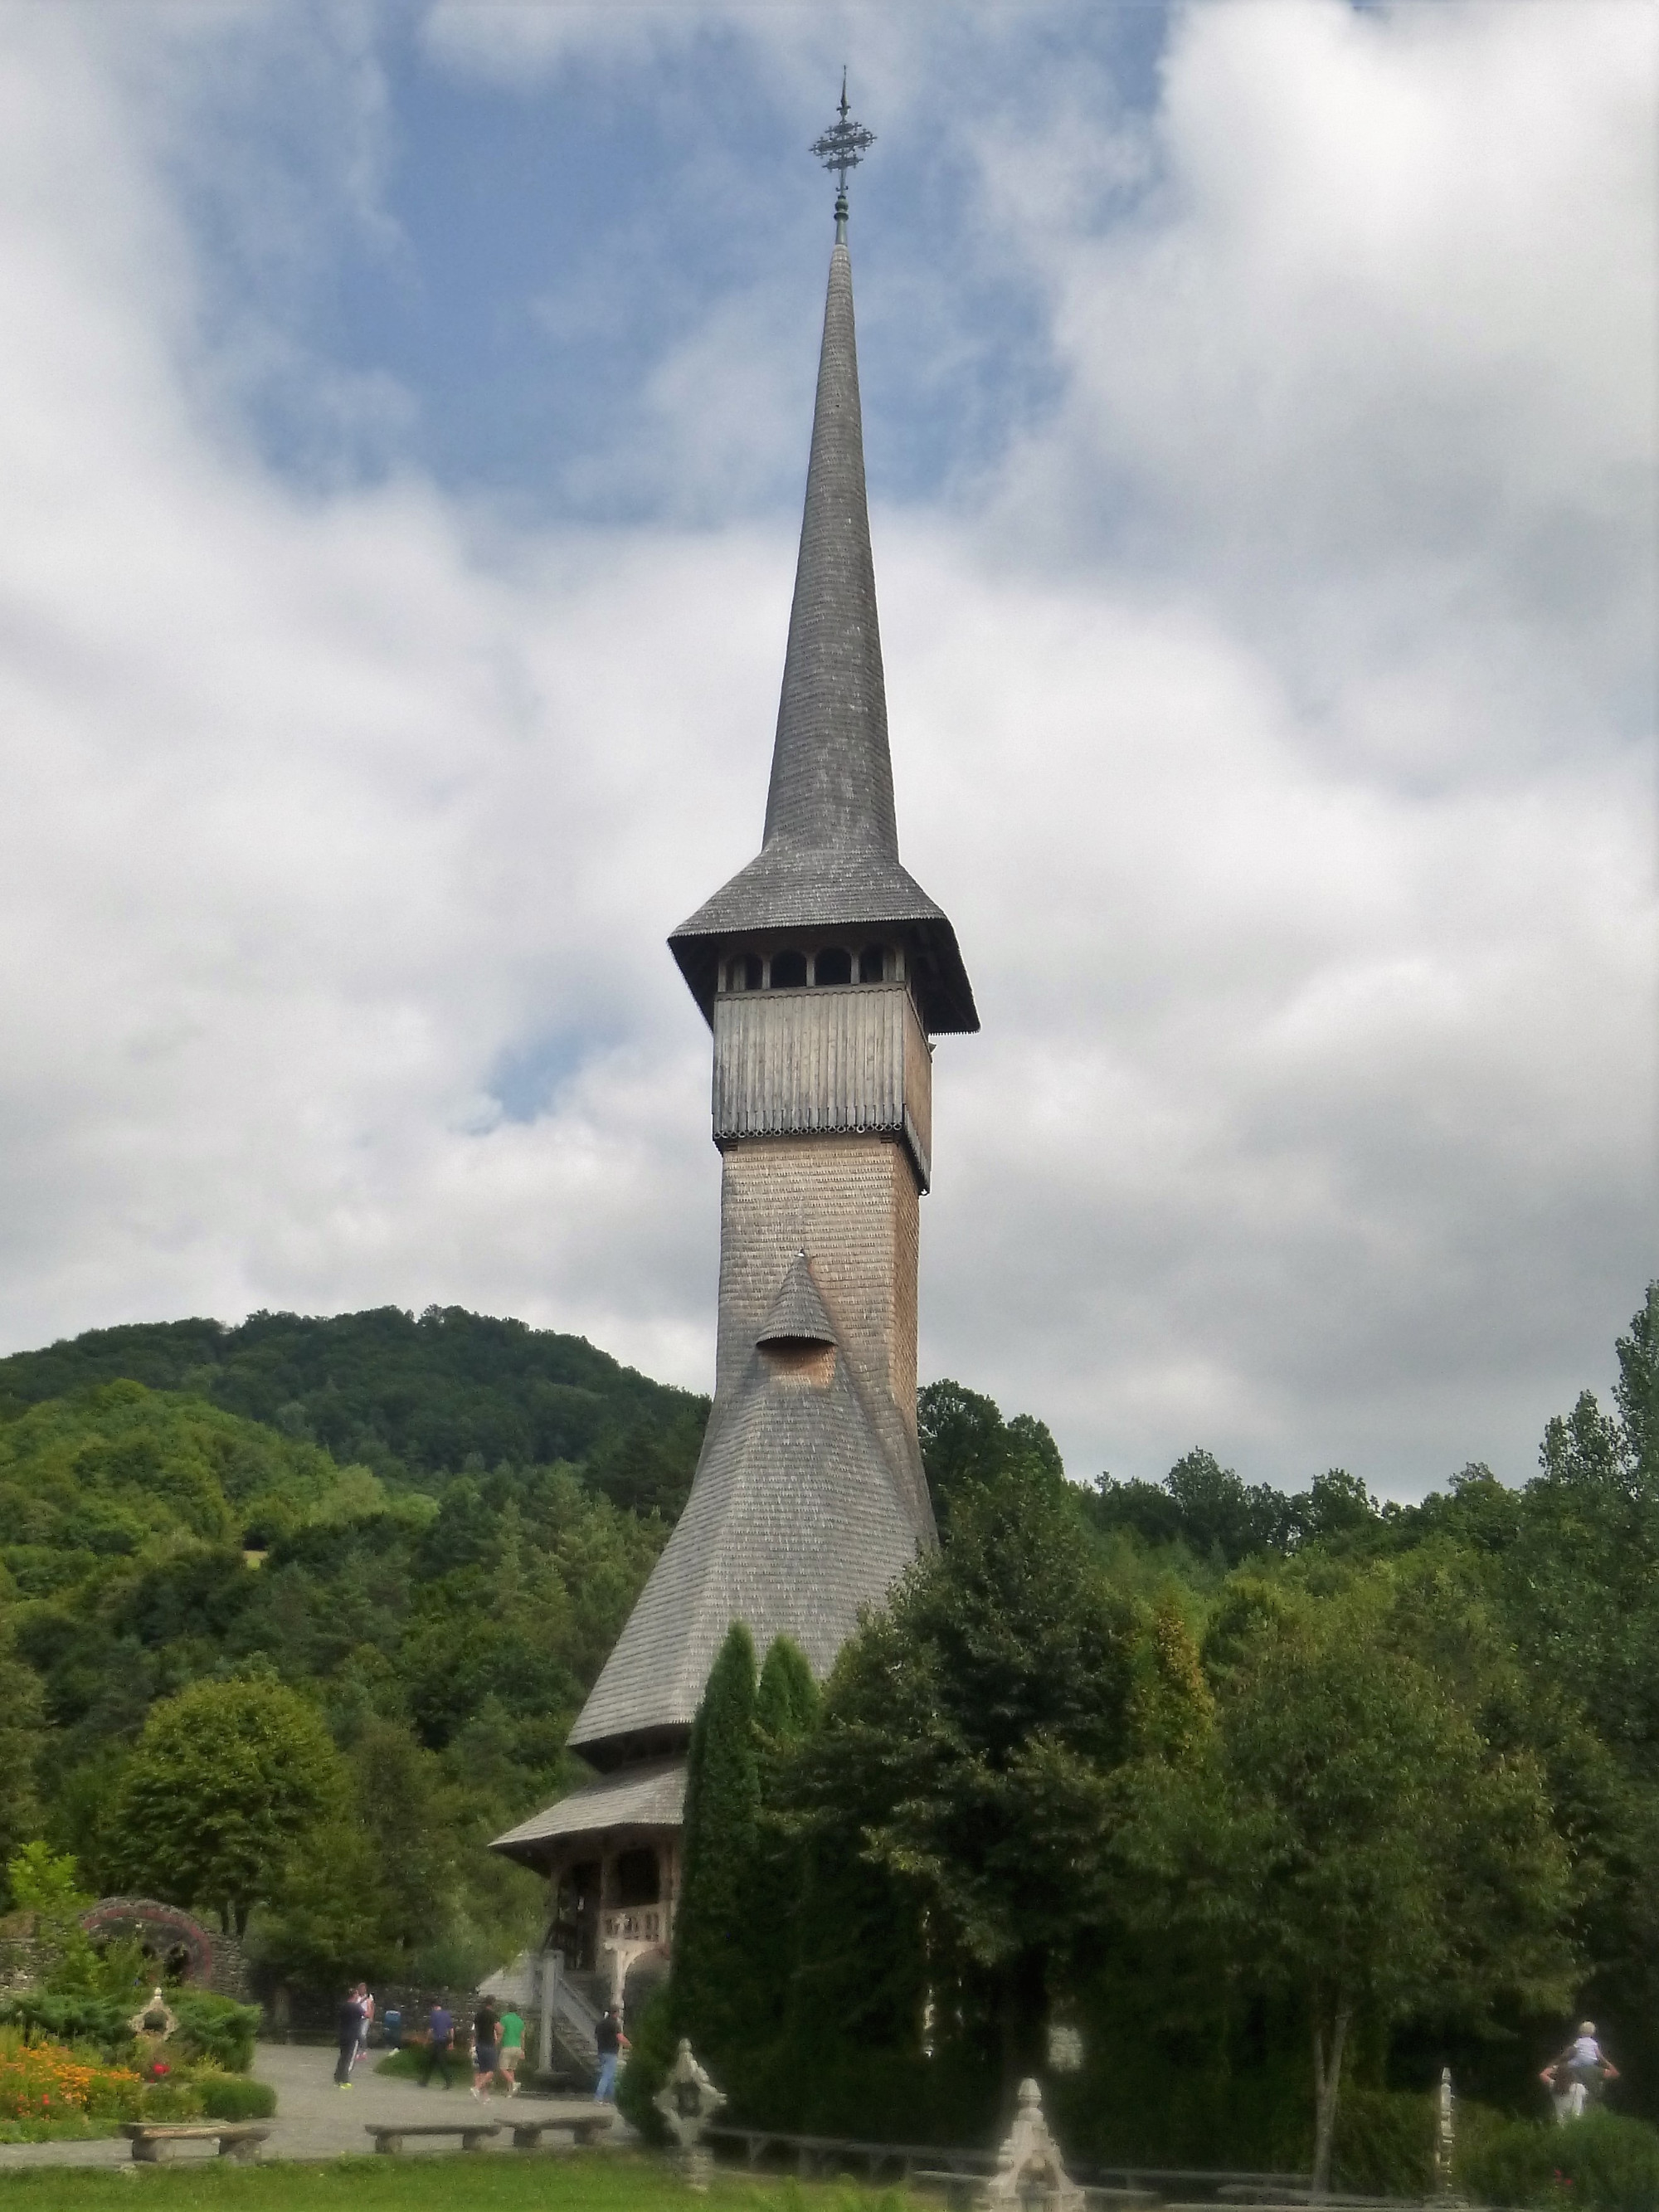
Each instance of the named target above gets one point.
<point>830,854</point>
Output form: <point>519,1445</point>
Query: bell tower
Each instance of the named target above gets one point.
<point>824,972</point>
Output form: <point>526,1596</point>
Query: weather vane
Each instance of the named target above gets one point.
<point>842,148</point>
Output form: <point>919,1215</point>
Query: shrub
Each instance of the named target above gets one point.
<point>408,2062</point>
<point>175,2098</point>
<point>215,2029</point>
<point>1384,2143</point>
<point>651,2054</point>
<point>234,2097</point>
<point>79,2019</point>
<point>1603,2161</point>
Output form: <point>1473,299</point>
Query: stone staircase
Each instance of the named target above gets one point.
<point>572,2004</point>
<point>545,1990</point>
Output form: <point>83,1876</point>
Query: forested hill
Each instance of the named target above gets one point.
<point>426,1534</point>
<point>413,1542</point>
<point>417,1401</point>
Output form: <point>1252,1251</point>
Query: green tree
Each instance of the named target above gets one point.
<point>787,1699</point>
<point>787,1703</point>
<point>22,1739</point>
<point>1636,1391</point>
<point>47,1884</point>
<point>722,1812</point>
<point>364,1893</point>
<point>227,1779</point>
<point>331,1916</point>
<point>1352,1841</point>
<point>970,1742</point>
<point>964,1439</point>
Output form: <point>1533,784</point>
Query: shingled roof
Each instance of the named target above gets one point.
<point>652,1795</point>
<point>796,1520</point>
<point>797,1315</point>
<point>830,854</point>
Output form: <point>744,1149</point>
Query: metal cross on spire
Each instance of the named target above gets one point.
<point>842,148</point>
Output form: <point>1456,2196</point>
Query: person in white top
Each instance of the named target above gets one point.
<point>1581,2069</point>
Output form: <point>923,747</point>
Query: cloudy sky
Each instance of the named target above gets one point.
<point>403,420</point>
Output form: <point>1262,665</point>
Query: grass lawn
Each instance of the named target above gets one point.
<point>606,2181</point>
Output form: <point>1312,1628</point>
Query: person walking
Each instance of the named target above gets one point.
<point>486,2031</point>
<point>511,2054</point>
<point>440,2041</point>
<point>611,2043</point>
<point>349,2027</point>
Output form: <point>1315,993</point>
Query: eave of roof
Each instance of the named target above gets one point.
<point>648,1795</point>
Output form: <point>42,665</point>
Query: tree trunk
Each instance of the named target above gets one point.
<point>1022,2009</point>
<point>1328,2079</point>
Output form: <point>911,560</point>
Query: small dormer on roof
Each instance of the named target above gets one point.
<point>797,1314</point>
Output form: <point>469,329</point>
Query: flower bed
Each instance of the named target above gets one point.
<point>46,2089</point>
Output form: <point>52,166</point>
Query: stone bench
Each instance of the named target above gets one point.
<point>237,2139</point>
<point>389,2136</point>
<point>583,2120</point>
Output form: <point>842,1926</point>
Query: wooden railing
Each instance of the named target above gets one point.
<point>826,2154</point>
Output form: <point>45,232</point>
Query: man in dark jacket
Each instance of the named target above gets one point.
<point>440,2041</point>
<point>350,2027</point>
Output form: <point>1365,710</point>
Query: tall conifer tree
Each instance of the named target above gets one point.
<point>722,1813</point>
<point>787,1701</point>
<point>786,1712</point>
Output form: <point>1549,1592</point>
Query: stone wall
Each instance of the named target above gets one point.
<point>25,1960</point>
<point>229,1978</point>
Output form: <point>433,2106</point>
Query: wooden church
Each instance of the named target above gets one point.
<point>824,970</point>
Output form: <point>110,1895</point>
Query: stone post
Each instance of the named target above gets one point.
<point>689,2102</point>
<point>1029,2170</point>
<point>1446,2142</point>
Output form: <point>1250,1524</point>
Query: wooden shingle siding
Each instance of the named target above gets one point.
<point>810,1497</point>
<point>849,1058</point>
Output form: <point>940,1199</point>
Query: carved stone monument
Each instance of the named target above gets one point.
<point>689,2102</point>
<point>154,2022</point>
<point>1029,2170</point>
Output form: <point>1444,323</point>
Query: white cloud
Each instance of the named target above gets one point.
<point>1374,353</point>
<point>1273,737</point>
